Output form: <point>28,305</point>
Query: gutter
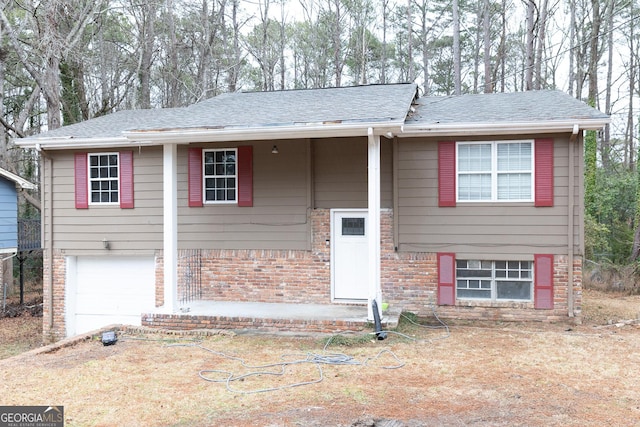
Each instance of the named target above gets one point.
<point>65,143</point>
<point>501,128</point>
<point>190,135</point>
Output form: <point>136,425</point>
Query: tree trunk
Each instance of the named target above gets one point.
<point>542,28</point>
<point>337,44</point>
<point>173,77</point>
<point>528,66</point>
<point>457,79</point>
<point>410,75</point>
<point>605,143</point>
<point>486,32</point>
<point>383,65</point>
<point>147,36</point>
<point>234,69</point>
<point>4,136</point>
<point>594,55</point>
<point>283,43</point>
<point>630,131</point>
<point>572,44</point>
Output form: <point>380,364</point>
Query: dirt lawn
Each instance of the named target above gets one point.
<point>489,374</point>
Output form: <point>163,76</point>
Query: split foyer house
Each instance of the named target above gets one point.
<point>469,204</point>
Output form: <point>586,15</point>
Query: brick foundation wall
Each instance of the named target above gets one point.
<point>408,279</point>
<point>56,331</point>
<point>508,311</point>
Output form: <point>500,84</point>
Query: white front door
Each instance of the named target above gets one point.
<point>349,254</point>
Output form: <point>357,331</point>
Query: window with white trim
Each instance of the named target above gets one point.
<point>220,175</point>
<point>494,280</point>
<point>495,171</point>
<point>104,172</point>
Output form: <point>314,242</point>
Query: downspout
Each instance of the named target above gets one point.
<point>396,196</point>
<point>310,192</point>
<point>570,216</point>
<point>46,184</point>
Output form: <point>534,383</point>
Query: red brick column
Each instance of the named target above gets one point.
<point>53,292</point>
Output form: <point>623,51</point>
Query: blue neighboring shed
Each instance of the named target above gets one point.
<point>9,185</point>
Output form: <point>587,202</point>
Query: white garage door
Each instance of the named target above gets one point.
<point>107,290</point>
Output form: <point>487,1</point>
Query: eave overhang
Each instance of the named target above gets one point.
<point>501,128</point>
<point>18,180</point>
<point>149,137</point>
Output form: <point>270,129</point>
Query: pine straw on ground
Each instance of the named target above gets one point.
<point>491,374</point>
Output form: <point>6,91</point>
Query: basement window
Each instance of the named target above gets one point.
<point>494,280</point>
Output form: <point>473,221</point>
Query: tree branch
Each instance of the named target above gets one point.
<point>32,200</point>
<point>7,126</point>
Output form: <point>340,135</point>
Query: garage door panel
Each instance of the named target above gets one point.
<point>112,290</point>
<point>90,322</point>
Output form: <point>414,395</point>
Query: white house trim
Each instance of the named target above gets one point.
<point>373,226</point>
<point>23,183</point>
<point>170,227</point>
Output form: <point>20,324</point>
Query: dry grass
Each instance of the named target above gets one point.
<point>19,334</point>
<point>489,375</point>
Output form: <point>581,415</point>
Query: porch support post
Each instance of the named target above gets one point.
<point>373,227</point>
<point>170,228</point>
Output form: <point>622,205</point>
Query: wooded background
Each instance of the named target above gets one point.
<point>62,62</point>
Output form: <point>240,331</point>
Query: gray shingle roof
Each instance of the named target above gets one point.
<point>374,103</point>
<point>531,106</point>
<point>259,112</point>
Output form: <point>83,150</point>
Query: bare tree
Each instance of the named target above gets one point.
<point>572,47</point>
<point>486,31</point>
<point>605,144</point>
<point>529,45</point>
<point>457,73</point>
<point>51,44</point>
<point>235,55</point>
<point>540,45</point>
<point>145,13</point>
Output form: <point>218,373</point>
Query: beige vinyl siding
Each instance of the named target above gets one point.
<point>282,199</point>
<point>340,173</point>
<point>127,230</point>
<point>278,218</point>
<point>480,230</point>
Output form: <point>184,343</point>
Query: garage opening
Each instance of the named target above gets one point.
<point>103,290</point>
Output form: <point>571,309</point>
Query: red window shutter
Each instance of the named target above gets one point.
<point>126,179</point>
<point>543,281</point>
<point>544,172</point>
<point>245,175</point>
<point>446,278</point>
<point>81,180</point>
<point>195,177</point>
<point>447,173</point>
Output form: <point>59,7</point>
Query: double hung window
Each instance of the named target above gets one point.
<point>495,171</point>
<point>104,172</point>
<point>220,176</point>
